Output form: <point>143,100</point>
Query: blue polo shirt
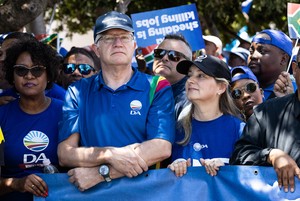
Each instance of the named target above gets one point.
<point>129,114</point>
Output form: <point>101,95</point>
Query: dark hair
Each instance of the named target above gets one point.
<point>40,53</point>
<point>19,36</point>
<point>178,36</point>
<point>90,54</point>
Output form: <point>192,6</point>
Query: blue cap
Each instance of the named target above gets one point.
<point>277,39</point>
<point>246,73</point>
<point>112,20</point>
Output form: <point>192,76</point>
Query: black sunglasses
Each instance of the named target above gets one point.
<point>84,69</point>
<point>238,93</point>
<point>22,70</point>
<point>172,54</point>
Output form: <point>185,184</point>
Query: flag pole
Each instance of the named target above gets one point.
<point>293,53</point>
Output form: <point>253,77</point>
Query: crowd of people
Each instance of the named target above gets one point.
<point>97,118</point>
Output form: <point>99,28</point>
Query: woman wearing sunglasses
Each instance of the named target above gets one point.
<point>79,63</point>
<point>29,123</point>
<point>245,90</point>
<point>206,135</point>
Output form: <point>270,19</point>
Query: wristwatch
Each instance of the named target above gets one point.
<point>104,172</point>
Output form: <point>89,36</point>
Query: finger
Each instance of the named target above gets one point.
<point>41,186</point>
<point>285,181</point>
<point>279,178</point>
<point>71,172</point>
<point>291,180</point>
<point>188,162</point>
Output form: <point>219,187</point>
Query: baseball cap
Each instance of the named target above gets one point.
<point>241,52</point>
<point>246,73</point>
<point>112,20</point>
<point>277,39</point>
<point>210,65</point>
<point>215,40</point>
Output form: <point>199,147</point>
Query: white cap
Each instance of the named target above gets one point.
<point>241,52</point>
<point>215,40</point>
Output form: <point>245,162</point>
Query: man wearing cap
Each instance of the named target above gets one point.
<point>238,57</point>
<point>245,90</point>
<point>173,49</point>
<point>271,137</point>
<point>119,122</point>
<point>270,52</point>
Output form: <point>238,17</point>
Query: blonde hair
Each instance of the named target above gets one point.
<point>226,106</point>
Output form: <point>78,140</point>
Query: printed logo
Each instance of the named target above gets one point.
<point>36,141</point>
<point>197,146</point>
<point>135,106</point>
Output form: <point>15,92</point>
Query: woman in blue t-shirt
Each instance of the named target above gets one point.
<point>30,122</point>
<point>208,129</point>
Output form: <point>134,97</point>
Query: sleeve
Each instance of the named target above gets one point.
<point>69,123</point>
<point>250,148</point>
<point>161,117</point>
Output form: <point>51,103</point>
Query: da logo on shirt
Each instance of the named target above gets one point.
<point>36,141</point>
<point>135,106</point>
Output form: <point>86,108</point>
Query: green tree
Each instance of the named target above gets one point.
<point>222,18</point>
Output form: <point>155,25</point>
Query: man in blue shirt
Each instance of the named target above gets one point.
<point>119,122</point>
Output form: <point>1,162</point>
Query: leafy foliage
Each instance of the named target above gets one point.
<point>222,18</point>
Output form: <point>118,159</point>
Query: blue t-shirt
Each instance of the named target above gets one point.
<point>209,139</point>
<point>29,139</point>
<point>129,114</point>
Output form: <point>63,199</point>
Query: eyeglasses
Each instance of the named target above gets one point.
<point>172,54</point>
<point>238,93</point>
<point>84,69</point>
<point>109,39</point>
<point>22,70</point>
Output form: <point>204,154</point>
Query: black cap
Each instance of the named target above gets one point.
<point>112,20</point>
<point>210,65</point>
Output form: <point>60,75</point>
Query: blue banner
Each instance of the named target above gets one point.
<point>151,27</point>
<point>234,183</point>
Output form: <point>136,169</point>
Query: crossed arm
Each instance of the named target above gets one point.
<point>129,161</point>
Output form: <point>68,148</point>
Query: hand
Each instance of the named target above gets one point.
<point>126,161</point>
<point>179,166</point>
<point>32,184</point>
<point>84,178</point>
<point>6,99</point>
<point>283,85</point>
<point>211,165</point>
<point>285,168</point>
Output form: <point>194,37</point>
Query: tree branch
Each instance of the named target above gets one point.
<point>15,14</point>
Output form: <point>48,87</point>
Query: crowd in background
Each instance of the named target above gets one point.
<point>97,118</point>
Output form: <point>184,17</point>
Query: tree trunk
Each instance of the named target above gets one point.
<point>15,14</point>
<point>37,26</point>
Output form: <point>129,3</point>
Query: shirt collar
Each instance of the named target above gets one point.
<point>133,83</point>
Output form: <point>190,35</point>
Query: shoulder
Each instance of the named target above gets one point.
<point>274,105</point>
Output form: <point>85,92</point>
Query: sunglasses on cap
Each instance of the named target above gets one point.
<point>84,69</point>
<point>172,54</point>
<point>239,92</point>
<point>22,70</point>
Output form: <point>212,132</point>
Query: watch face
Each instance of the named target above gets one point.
<point>104,170</point>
